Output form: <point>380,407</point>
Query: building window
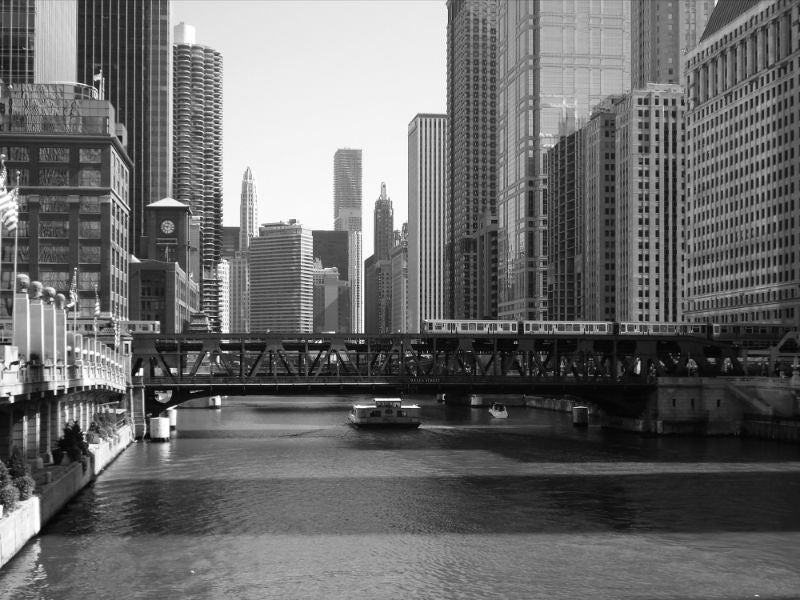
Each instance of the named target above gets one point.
<point>54,155</point>
<point>89,178</point>
<point>91,155</point>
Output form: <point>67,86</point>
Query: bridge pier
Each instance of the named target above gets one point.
<point>33,439</point>
<point>136,404</point>
<point>706,405</point>
<point>45,429</point>
<point>19,430</point>
<point>6,431</point>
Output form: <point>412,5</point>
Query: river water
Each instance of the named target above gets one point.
<point>279,498</point>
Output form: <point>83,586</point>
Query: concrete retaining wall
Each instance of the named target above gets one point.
<point>556,404</point>
<point>784,432</point>
<point>18,527</point>
<point>31,515</point>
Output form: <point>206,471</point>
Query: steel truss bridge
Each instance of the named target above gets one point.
<point>194,365</point>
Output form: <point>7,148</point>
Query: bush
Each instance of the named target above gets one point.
<point>16,465</point>
<point>9,496</point>
<point>5,478</point>
<point>73,443</point>
<point>25,485</point>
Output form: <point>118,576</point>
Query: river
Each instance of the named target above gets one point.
<point>279,498</point>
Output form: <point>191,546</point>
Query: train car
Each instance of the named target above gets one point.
<point>466,327</point>
<point>751,334</point>
<point>662,328</point>
<point>567,327</point>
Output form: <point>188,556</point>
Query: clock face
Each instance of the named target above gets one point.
<point>167,226</point>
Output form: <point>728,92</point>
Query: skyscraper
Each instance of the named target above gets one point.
<point>281,278</point>
<point>347,190</point>
<point>399,283</point>
<point>38,41</point>
<point>61,228</point>
<point>347,217</point>
<point>650,203</point>
<point>331,299</point>
<point>332,250</point>
<point>555,61</point>
<point>661,34</point>
<point>599,188</point>
<point>472,154</point>
<point>239,293</point>
<point>248,210</point>
<point>565,172</point>
<point>384,225</point>
<point>427,181</point>
<point>130,41</point>
<point>239,266</point>
<point>743,248</point>
<point>224,278</point>
<point>197,153</point>
<point>378,268</point>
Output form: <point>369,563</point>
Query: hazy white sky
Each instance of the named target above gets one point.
<point>303,78</point>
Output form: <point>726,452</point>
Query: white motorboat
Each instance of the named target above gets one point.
<point>498,411</point>
<point>385,412</point>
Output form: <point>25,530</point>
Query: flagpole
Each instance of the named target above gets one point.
<point>74,311</point>
<point>1,278</point>
<point>3,186</point>
<point>94,312</point>
<point>16,238</point>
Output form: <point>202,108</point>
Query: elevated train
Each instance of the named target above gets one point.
<point>717,331</point>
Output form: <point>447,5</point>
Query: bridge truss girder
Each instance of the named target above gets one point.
<point>182,362</point>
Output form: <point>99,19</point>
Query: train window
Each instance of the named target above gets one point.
<point>559,327</point>
<point>513,326</point>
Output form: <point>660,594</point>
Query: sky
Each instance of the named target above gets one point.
<point>303,78</point>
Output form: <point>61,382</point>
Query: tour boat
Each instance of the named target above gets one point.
<point>385,412</point>
<point>498,411</point>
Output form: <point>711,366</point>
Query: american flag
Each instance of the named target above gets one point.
<point>73,290</point>
<point>96,303</point>
<point>9,209</point>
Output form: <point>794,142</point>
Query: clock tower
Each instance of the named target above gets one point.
<point>167,232</point>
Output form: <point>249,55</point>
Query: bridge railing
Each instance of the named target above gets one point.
<point>102,366</point>
<point>40,353</point>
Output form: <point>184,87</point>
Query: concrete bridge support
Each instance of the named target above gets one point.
<point>57,421</point>
<point>710,405</point>
<point>19,430</point>
<point>33,437</point>
<point>45,429</point>
<point>136,402</point>
<point>34,427</point>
